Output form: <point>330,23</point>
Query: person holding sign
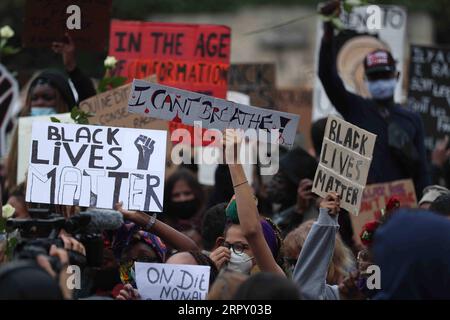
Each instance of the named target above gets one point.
<point>399,152</point>
<point>310,273</point>
<point>50,93</point>
<point>262,241</point>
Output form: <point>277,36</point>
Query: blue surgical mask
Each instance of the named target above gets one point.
<point>382,89</point>
<point>42,111</point>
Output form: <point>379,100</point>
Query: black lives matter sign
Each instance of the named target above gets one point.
<point>344,163</point>
<point>429,90</point>
<point>96,166</point>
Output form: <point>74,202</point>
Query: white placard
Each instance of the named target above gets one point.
<point>160,281</point>
<point>96,166</point>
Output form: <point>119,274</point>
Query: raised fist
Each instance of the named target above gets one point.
<point>145,146</point>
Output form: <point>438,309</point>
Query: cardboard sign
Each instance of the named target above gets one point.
<point>354,45</point>
<point>429,90</point>
<point>177,105</point>
<point>110,108</point>
<point>256,80</point>
<point>297,101</point>
<point>194,57</point>
<point>376,196</point>
<point>344,162</point>
<point>87,22</point>
<point>93,166</point>
<point>159,281</point>
<point>9,95</point>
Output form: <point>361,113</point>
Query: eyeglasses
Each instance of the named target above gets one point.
<point>237,247</point>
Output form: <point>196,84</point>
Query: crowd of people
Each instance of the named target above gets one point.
<point>265,240</point>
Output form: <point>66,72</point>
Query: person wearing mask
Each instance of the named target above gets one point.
<point>50,93</point>
<point>183,203</point>
<point>249,239</point>
<point>399,151</point>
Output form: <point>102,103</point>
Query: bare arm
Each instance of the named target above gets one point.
<point>169,235</point>
<point>249,218</point>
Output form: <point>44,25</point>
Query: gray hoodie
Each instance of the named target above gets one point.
<point>310,273</point>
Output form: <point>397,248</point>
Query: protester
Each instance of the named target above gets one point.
<point>311,270</point>
<point>412,250</point>
<point>184,203</point>
<point>17,201</point>
<point>399,152</point>
<point>213,225</point>
<point>341,264</point>
<point>295,166</point>
<point>50,93</point>
<point>253,241</point>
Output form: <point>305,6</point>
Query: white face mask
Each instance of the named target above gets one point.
<point>382,89</point>
<point>42,111</point>
<point>240,262</point>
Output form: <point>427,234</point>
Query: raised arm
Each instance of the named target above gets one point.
<point>328,74</point>
<point>311,270</point>
<point>169,235</point>
<point>81,82</point>
<point>249,218</point>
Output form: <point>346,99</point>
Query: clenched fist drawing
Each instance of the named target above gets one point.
<point>145,146</point>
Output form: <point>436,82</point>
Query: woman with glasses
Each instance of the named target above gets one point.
<point>250,241</point>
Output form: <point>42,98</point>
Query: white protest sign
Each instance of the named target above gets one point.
<point>207,169</point>
<point>160,281</point>
<point>24,140</point>
<point>96,166</point>
<point>353,48</point>
<point>344,162</point>
<point>167,103</point>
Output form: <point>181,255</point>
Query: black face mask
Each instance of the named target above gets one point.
<point>184,209</point>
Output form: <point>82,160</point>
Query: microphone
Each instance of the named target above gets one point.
<point>101,219</point>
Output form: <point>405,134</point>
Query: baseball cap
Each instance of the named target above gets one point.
<point>379,61</point>
<point>431,193</point>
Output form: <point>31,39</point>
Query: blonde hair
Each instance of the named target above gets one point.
<point>341,263</point>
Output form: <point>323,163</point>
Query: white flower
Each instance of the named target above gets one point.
<point>8,211</point>
<point>6,32</point>
<point>110,62</point>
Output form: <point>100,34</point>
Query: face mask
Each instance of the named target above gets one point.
<point>42,111</point>
<point>240,262</point>
<point>382,89</point>
<point>184,209</point>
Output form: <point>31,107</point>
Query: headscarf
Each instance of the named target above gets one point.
<point>60,82</point>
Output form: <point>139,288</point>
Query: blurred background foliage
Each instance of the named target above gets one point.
<point>29,60</point>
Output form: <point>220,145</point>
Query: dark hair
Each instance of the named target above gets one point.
<point>267,286</point>
<point>213,225</point>
<point>191,180</point>
<point>203,260</point>
<point>441,205</point>
<point>317,134</point>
